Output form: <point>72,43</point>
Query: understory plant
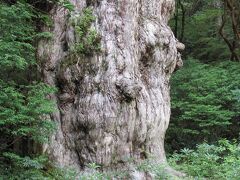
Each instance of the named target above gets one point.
<point>204,104</point>
<point>210,161</point>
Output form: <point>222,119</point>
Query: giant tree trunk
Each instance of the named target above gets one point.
<point>113,105</point>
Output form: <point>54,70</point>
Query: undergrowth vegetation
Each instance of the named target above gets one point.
<point>204,104</point>
<point>215,161</point>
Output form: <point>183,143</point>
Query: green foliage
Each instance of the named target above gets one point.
<point>206,45</point>
<point>158,170</point>
<point>36,167</point>
<point>22,167</point>
<point>220,161</point>
<point>21,114</point>
<point>62,3</point>
<point>24,106</point>
<point>16,37</point>
<point>236,93</point>
<point>21,103</point>
<point>66,4</point>
<point>87,38</point>
<point>204,106</point>
<point>92,173</point>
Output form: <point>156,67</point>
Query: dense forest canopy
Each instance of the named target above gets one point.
<point>203,136</point>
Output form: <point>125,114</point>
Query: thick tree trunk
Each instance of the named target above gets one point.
<point>113,105</point>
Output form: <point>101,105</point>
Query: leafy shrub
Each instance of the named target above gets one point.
<point>204,106</point>
<point>157,170</point>
<point>219,161</point>
<point>24,106</point>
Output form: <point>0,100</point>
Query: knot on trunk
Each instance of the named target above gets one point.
<point>128,88</point>
<point>180,46</point>
<point>175,65</point>
<point>179,62</point>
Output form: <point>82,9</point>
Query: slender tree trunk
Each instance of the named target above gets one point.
<point>114,105</point>
<point>182,20</point>
<point>231,9</point>
<point>176,19</point>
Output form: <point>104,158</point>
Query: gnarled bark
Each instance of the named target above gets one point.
<point>113,105</point>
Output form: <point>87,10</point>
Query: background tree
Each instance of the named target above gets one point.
<point>231,16</point>
<point>204,32</point>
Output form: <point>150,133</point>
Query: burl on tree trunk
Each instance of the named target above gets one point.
<point>115,104</point>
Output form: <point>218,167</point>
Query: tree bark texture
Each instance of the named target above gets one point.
<point>113,105</point>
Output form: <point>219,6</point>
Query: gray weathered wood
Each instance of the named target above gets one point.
<point>113,105</point>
